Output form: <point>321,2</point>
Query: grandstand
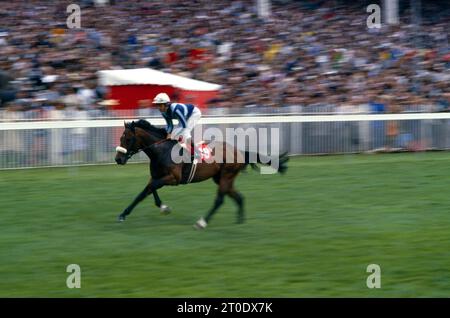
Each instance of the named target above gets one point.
<point>317,54</point>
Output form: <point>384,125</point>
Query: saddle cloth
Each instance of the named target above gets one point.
<point>202,150</point>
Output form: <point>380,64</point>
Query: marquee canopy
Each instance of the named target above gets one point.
<point>130,86</point>
<point>142,76</point>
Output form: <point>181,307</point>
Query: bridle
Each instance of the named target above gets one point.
<point>130,153</point>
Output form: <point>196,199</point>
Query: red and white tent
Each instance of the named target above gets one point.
<point>130,86</point>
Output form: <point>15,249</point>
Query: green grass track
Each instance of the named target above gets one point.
<point>309,233</point>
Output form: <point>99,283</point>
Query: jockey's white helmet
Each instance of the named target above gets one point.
<point>161,98</point>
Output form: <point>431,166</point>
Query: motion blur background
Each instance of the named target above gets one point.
<point>62,104</point>
<point>302,57</point>
<point>305,53</point>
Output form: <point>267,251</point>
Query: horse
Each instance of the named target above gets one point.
<point>142,136</point>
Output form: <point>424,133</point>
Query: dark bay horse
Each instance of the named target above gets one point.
<point>142,136</point>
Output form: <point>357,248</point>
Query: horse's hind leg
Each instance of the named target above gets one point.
<point>239,199</point>
<point>217,203</point>
<point>236,196</point>
<point>203,222</point>
<point>225,183</point>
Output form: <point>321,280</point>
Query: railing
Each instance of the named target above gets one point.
<point>72,114</point>
<point>86,141</point>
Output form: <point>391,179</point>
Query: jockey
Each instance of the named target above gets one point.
<point>187,114</point>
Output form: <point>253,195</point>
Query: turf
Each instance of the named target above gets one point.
<point>309,233</point>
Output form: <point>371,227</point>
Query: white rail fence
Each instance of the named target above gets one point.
<point>77,142</point>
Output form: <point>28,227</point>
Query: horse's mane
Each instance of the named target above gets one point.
<point>143,124</point>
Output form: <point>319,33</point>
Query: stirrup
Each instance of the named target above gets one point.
<point>196,156</point>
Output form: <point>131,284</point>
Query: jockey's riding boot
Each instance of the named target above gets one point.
<point>183,145</point>
<point>195,155</point>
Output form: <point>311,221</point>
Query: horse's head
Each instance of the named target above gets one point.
<point>134,140</point>
<point>130,144</point>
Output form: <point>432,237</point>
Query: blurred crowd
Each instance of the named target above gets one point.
<point>308,53</point>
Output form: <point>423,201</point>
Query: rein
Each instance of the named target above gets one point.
<point>129,154</point>
<point>159,142</point>
<point>153,144</point>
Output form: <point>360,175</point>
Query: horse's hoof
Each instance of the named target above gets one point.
<point>165,209</point>
<point>200,224</point>
<point>121,218</point>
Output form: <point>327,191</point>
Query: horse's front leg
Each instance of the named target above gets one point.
<point>141,196</point>
<point>162,207</point>
<point>150,188</point>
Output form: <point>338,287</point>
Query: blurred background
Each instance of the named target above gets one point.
<point>314,54</point>
<point>313,67</point>
<point>227,57</point>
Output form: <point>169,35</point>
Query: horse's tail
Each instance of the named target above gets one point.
<point>254,159</point>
